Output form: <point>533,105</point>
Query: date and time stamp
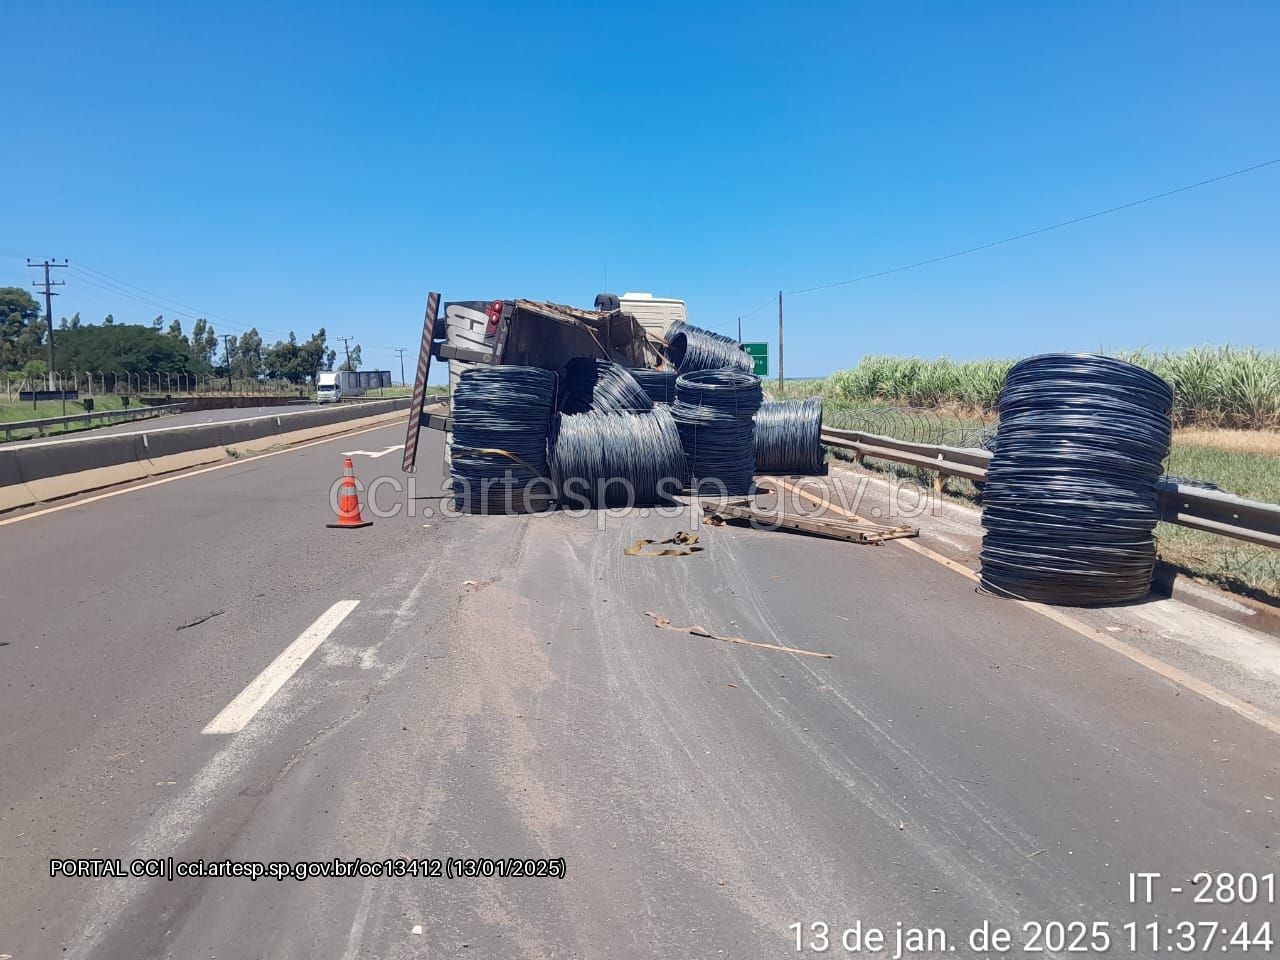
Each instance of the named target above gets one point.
<point>1193,932</point>
<point>1185,924</point>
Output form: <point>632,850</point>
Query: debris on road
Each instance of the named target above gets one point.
<point>199,620</point>
<point>699,631</point>
<point>837,528</point>
<point>681,545</point>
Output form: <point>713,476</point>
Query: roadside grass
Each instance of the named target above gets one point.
<point>16,411</point>
<point>1237,462</point>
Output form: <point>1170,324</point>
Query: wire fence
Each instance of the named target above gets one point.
<point>93,383</point>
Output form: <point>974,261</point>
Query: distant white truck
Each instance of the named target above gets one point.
<point>333,385</point>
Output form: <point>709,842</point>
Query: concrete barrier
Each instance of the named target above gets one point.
<point>167,450</point>
<point>13,492</point>
<point>52,458</point>
<point>316,433</point>
<point>39,471</point>
<point>242,431</point>
<point>58,469</point>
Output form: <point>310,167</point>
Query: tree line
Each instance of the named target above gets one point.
<point>159,348</point>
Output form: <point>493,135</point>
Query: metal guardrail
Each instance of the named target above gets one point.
<point>1212,511</point>
<point>123,416</point>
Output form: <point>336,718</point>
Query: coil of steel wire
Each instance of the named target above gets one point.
<point>691,348</point>
<point>660,385</point>
<point>501,416</point>
<point>600,385</point>
<point>715,412</point>
<point>617,459</point>
<point>1069,504</point>
<point>789,436</point>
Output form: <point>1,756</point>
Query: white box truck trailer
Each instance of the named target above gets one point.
<point>333,385</point>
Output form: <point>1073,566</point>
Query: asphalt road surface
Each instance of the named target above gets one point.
<point>492,687</point>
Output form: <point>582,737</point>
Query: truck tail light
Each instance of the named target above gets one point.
<point>495,314</point>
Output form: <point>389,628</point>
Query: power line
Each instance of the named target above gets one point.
<point>123,288</point>
<point>1039,230</point>
<point>1018,236</point>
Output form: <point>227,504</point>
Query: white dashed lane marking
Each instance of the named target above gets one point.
<point>254,697</point>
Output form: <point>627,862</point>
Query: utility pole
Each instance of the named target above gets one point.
<point>739,329</point>
<point>48,301</point>
<point>782,383</point>
<point>345,341</point>
<point>226,345</point>
<point>400,353</point>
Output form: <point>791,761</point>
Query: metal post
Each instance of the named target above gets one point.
<point>739,329</point>
<point>49,284</point>
<point>226,346</point>
<point>782,383</point>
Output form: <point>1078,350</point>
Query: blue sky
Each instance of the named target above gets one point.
<point>289,167</point>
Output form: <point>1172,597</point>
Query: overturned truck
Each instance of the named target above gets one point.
<point>623,405</point>
<point>524,333</point>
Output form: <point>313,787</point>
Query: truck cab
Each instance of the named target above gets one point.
<point>328,388</point>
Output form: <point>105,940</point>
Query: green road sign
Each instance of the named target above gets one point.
<point>760,354</point>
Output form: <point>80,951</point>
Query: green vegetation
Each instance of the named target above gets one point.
<point>1214,386</point>
<point>129,351</point>
<point>10,412</point>
<point>17,411</point>
<point>1242,462</point>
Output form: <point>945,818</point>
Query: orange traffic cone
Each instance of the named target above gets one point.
<point>349,500</point>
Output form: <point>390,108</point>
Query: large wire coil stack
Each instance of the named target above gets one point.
<point>691,348</point>
<point>788,436</point>
<point>660,385</point>
<point>1069,504</point>
<point>602,386</point>
<point>501,416</point>
<point>617,459</point>
<point>715,412</point>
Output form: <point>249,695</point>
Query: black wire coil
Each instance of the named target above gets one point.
<point>600,385</point>
<point>660,385</point>
<point>789,436</point>
<point>1069,504</point>
<point>500,408</point>
<point>691,348</point>
<point>715,412</point>
<point>617,459</point>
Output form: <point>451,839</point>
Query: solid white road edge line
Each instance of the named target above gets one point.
<point>1243,708</point>
<point>265,685</point>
